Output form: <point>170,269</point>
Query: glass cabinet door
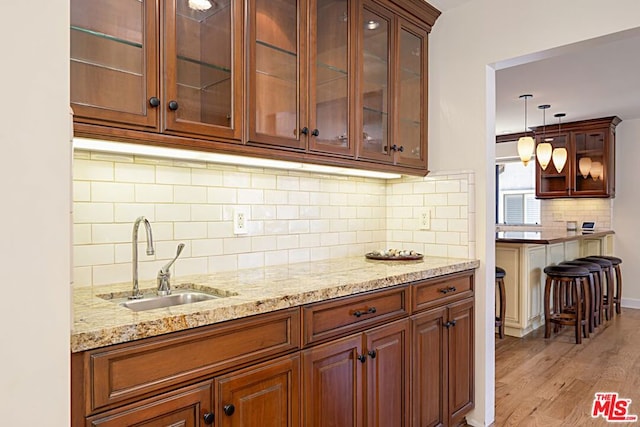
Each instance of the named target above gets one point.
<point>376,91</point>
<point>113,66</point>
<point>329,81</point>
<point>590,160</point>
<point>410,143</point>
<point>550,182</point>
<point>203,76</point>
<point>275,75</point>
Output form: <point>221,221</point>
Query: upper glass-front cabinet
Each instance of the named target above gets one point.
<point>275,72</point>
<point>114,75</point>
<point>203,67</point>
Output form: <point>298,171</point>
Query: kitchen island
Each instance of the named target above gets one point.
<point>287,343</point>
<point>524,254</point>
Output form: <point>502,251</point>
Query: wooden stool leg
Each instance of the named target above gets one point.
<point>575,287</point>
<point>587,310</point>
<point>618,296</point>
<point>609,306</point>
<point>503,307</point>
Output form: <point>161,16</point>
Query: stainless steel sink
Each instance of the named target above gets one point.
<point>176,298</point>
<point>179,296</point>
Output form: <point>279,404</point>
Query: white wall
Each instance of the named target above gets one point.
<point>464,44</point>
<point>34,218</point>
<point>626,207</point>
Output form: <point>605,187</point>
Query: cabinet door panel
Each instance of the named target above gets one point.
<point>263,396</point>
<point>460,360</point>
<point>387,365</point>
<point>114,61</point>
<point>591,146</point>
<point>376,89</point>
<point>184,408</point>
<point>333,384</point>
<point>550,182</point>
<point>276,55</point>
<point>330,76</point>
<point>429,368</point>
<point>411,96</point>
<point>203,68</point>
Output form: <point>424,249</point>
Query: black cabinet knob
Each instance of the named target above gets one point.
<point>372,354</point>
<point>208,418</point>
<point>304,131</point>
<point>315,132</point>
<point>229,409</point>
<point>453,322</point>
<point>394,147</point>
<point>362,358</point>
<point>357,313</point>
<point>154,102</point>
<point>371,310</point>
<point>401,148</point>
<point>173,105</point>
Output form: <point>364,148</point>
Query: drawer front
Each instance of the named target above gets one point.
<point>341,316</point>
<point>442,290</point>
<point>128,371</point>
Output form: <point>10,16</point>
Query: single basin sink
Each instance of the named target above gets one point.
<point>186,293</point>
<point>176,298</point>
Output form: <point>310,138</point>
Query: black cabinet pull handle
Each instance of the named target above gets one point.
<point>315,132</point>
<point>362,358</point>
<point>447,290</point>
<point>229,409</point>
<point>371,310</point>
<point>208,418</point>
<point>304,131</point>
<point>173,105</point>
<point>372,354</point>
<point>154,102</point>
<point>359,313</point>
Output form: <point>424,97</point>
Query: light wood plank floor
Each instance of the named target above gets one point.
<point>552,382</point>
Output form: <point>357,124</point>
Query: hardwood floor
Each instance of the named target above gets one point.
<point>552,382</point>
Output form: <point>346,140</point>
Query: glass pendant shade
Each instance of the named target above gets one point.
<point>559,157</point>
<point>585,166</point>
<point>525,149</point>
<point>543,154</point>
<point>596,170</point>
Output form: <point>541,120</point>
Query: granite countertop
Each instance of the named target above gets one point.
<point>546,237</point>
<point>100,322</point>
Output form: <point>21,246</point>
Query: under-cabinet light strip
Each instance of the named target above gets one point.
<point>181,154</point>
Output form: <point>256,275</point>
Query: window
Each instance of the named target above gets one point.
<point>515,194</point>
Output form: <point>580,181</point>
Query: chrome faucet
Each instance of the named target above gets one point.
<point>135,294</point>
<point>164,275</point>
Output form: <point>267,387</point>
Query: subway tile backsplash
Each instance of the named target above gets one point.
<point>292,216</point>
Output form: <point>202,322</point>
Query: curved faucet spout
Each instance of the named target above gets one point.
<point>135,294</point>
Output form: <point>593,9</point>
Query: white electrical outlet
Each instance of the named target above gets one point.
<point>239,222</point>
<point>424,219</point>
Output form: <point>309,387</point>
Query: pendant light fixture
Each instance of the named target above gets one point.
<point>544,149</point>
<point>525,143</point>
<point>559,154</point>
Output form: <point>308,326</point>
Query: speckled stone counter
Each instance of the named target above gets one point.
<point>100,321</point>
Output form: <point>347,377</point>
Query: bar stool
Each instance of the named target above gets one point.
<point>500,273</point>
<point>617,297</point>
<point>607,275</point>
<point>570,290</point>
<point>595,288</point>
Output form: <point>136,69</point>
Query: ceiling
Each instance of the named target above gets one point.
<point>588,80</point>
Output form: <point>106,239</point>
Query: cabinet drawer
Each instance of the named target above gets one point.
<point>128,371</point>
<point>345,315</point>
<point>442,290</point>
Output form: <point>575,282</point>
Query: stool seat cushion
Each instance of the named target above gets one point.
<point>591,266</point>
<point>604,263</point>
<point>500,273</point>
<point>614,259</point>
<point>566,271</point>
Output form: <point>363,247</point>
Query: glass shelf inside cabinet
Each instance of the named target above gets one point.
<point>201,10</point>
<point>201,75</point>
<point>95,49</point>
<point>276,62</point>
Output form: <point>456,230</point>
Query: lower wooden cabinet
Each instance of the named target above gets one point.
<point>442,364</point>
<point>360,380</point>
<point>266,395</point>
<point>189,407</point>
